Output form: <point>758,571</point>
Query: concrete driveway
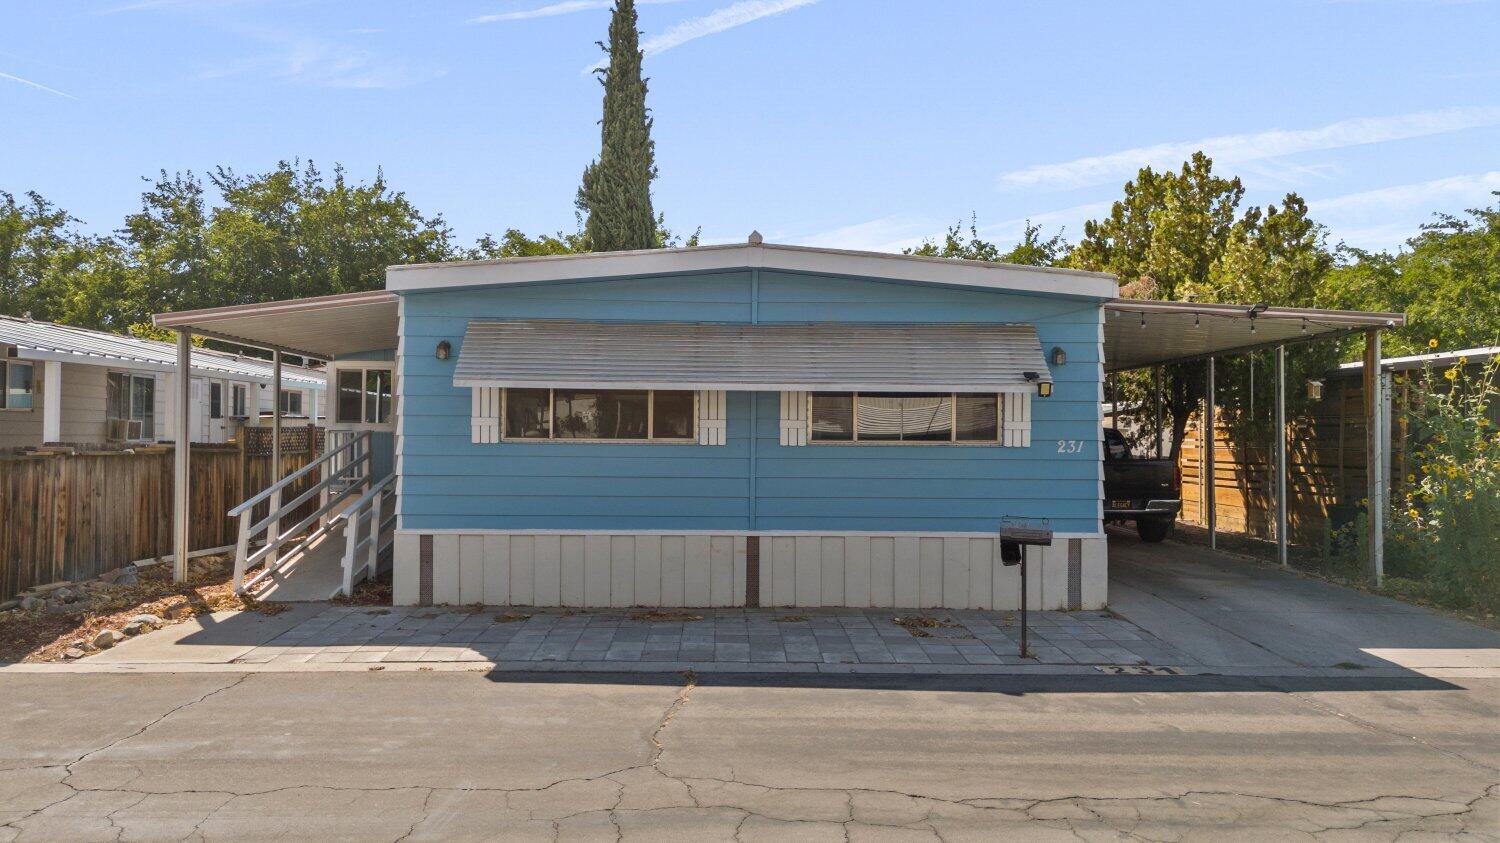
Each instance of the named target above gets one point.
<point>1223,610</point>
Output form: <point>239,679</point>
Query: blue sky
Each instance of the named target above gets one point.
<point>852,123</point>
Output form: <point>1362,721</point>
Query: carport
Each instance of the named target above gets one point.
<point>1145,334</point>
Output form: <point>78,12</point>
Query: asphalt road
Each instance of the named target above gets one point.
<point>434,755</point>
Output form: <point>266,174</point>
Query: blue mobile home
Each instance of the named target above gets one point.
<point>742,425</point>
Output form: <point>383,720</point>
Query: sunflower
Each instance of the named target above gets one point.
<point>1432,343</point>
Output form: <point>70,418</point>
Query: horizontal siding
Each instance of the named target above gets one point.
<point>450,482</point>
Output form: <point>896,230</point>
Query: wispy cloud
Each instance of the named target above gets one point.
<point>1257,146</point>
<point>321,63</point>
<point>719,20</point>
<point>1385,217</point>
<point>39,86</point>
<point>565,7</point>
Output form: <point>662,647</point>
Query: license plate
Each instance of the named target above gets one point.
<point>1120,505</point>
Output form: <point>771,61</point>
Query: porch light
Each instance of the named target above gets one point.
<point>1059,357</point>
<point>444,349</point>
<point>1315,390</point>
<point>1044,389</point>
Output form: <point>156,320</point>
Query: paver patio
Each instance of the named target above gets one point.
<point>711,636</point>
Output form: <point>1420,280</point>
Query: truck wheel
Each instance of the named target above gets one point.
<point>1154,530</point>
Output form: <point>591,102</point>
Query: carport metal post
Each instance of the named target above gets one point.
<point>182,454</point>
<point>1281,465</point>
<point>1375,456</point>
<point>1207,440</point>
<point>1156,378</point>
<point>276,417</point>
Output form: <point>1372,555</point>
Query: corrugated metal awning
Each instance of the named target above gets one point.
<point>828,357</point>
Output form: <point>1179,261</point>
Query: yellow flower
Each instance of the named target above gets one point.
<point>1469,495</point>
<point>1411,478</point>
<point>1413,512</point>
<point>1451,374</point>
<point>1432,343</point>
<point>1463,361</point>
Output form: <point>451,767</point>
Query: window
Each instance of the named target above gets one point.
<point>364,397</point>
<point>215,400</point>
<point>600,414</point>
<point>291,403</point>
<point>237,401</point>
<point>17,385</point>
<point>130,406</point>
<point>904,417</point>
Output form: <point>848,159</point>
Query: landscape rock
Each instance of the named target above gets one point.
<point>135,628</point>
<point>30,603</point>
<point>73,653</point>
<point>107,638</point>
<point>81,644</point>
<point>65,595</point>
<point>148,620</point>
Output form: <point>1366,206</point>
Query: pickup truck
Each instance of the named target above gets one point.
<point>1146,491</point>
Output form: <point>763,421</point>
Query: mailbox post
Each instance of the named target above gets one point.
<point>1016,534</point>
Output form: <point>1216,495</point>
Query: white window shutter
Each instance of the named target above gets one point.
<point>484,415</point>
<point>712,417</point>
<point>794,418</point>
<point>1016,420</point>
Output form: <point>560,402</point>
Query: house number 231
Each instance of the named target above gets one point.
<point>1069,446</point>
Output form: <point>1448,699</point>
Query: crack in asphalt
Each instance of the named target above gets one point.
<point>924,813</point>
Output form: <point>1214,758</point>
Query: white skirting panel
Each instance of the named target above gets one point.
<point>639,569</point>
<point>954,572</point>
<point>586,570</point>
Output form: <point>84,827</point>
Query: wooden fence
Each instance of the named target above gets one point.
<point>1327,454</point>
<point>74,516</point>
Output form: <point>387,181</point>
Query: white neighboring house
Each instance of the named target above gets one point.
<point>61,384</point>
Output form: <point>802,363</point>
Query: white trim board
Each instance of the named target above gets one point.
<point>470,531</point>
<point>878,265</point>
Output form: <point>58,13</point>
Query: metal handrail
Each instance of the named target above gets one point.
<point>372,503</point>
<point>329,454</point>
<point>356,470</point>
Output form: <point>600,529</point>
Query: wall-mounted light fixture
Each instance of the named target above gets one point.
<point>444,349</point>
<point>1315,390</point>
<point>1043,388</point>
<point>1059,357</point>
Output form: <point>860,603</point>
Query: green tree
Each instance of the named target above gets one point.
<point>616,192</point>
<point>1032,250</point>
<point>1446,280</point>
<point>1162,240</point>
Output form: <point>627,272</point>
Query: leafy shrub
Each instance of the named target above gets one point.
<point>1445,530</point>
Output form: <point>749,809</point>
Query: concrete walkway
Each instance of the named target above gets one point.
<point>1177,609</point>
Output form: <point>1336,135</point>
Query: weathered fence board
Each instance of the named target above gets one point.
<point>74,516</point>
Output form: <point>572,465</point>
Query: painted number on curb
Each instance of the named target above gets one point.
<point>1069,446</point>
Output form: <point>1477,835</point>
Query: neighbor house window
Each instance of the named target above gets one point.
<point>130,406</point>
<point>905,417</point>
<point>216,400</point>
<point>291,403</point>
<point>364,396</point>
<point>600,414</point>
<point>17,385</point>
<point>237,401</point>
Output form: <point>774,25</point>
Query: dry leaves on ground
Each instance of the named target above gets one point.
<point>40,636</point>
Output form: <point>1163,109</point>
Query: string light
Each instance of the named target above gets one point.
<point>1196,323</point>
<point>1304,324</point>
<point>1143,319</point>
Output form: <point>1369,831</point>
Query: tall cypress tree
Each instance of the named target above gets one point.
<point>616,190</point>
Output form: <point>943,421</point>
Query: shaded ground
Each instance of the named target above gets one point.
<point>457,756</point>
<point>41,636</point>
